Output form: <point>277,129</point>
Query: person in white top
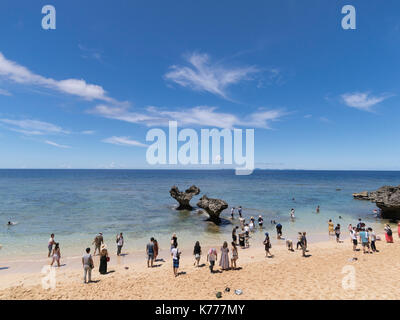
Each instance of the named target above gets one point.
<point>292,213</point>
<point>353,235</point>
<point>50,244</point>
<point>120,243</point>
<point>88,265</point>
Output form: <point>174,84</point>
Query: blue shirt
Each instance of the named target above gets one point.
<point>364,236</point>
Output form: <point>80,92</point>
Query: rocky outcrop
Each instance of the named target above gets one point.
<point>184,197</point>
<point>213,207</point>
<point>387,198</point>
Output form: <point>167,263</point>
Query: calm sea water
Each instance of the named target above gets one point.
<point>77,204</point>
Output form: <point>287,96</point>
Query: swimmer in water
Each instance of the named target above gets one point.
<point>317,209</point>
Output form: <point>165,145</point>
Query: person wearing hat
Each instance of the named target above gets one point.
<point>98,241</point>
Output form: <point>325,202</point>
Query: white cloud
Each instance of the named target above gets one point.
<point>362,100</point>
<point>5,93</point>
<point>54,144</point>
<point>78,87</point>
<point>33,127</point>
<point>202,75</point>
<point>198,116</point>
<point>124,141</point>
<point>88,132</point>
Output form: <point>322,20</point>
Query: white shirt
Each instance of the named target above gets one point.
<point>120,241</point>
<point>174,252</point>
<point>353,235</point>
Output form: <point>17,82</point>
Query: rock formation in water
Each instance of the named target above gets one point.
<point>213,207</point>
<point>184,197</point>
<point>387,198</point>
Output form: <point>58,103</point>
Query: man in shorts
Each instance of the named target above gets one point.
<point>364,238</point>
<point>98,241</point>
<point>50,244</point>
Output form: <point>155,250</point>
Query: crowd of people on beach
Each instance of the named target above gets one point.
<point>229,255</point>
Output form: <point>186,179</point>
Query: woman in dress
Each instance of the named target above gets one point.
<point>103,260</point>
<point>234,255</point>
<point>197,253</point>
<point>267,245</point>
<point>56,254</point>
<point>388,234</point>
<point>224,262</point>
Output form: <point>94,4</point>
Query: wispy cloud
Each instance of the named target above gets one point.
<point>33,127</point>
<point>5,92</point>
<point>88,132</point>
<point>54,144</point>
<point>14,72</point>
<point>124,141</point>
<point>202,75</point>
<point>197,116</point>
<point>362,100</point>
<point>89,53</point>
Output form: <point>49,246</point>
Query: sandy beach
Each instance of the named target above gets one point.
<point>287,275</point>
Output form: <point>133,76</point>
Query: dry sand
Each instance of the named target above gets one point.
<point>287,275</point>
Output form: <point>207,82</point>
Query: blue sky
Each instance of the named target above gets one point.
<point>85,95</point>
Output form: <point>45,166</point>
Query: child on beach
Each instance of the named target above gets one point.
<point>197,253</point>
<point>330,227</point>
<point>289,244</point>
<point>337,232</point>
<point>234,255</point>
<point>174,241</point>
<point>267,245</point>
<point>212,256</point>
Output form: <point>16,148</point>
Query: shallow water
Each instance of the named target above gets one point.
<point>77,204</point>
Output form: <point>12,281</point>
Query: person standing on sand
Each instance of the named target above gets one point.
<point>120,243</point>
<point>240,211</point>
<point>234,255</point>
<point>330,227</point>
<point>197,253</point>
<point>103,259</point>
<point>388,234</point>
<point>242,236</point>
<point>56,255</point>
<point>88,265</point>
<point>242,222</point>
<point>304,244</point>
<point>353,236</point>
<point>224,262</point>
<point>298,244</point>
<point>212,256</point>
<point>279,231</point>
<point>50,244</point>
<point>176,255</point>
<point>150,253</point>
<point>155,242</point>
<point>267,245</point>
<point>232,212</point>
<point>373,239</point>
<point>234,236</point>
<point>364,240</point>
<point>98,241</point>
<point>337,232</point>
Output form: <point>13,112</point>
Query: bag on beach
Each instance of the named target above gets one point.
<point>389,232</point>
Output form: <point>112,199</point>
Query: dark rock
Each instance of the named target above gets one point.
<point>213,207</point>
<point>184,197</point>
<point>387,198</point>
